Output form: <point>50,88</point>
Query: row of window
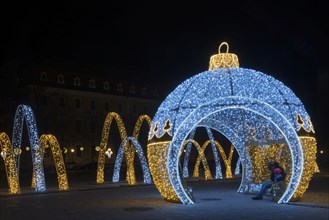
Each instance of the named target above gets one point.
<point>92,104</point>
<point>92,84</point>
<point>78,125</point>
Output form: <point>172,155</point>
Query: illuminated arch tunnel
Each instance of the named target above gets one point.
<point>248,107</point>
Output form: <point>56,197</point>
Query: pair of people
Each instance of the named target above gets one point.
<point>278,175</point>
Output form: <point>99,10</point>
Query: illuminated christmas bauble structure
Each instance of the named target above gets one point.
<point>251,109</point>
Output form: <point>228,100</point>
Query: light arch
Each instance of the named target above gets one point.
<point>201,157</point>
<point>127,147</point>
<point>226,159</point>
<point>135,143</point>
<point>118,161</point>
<point>49,140</point>
<point>248,104</point>
<point>218,171</point>
<point>10,164</point>
<point>24,112</point>
<point>103,145</point>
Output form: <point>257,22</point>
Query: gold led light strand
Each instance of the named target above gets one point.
<point>157,153</point>
<point>223,60</point>
<point>201,157</point>
<point>253,112</point>
<point>260,156</point>
<point>227,160</point>
<point>139,123</point>
<point>10,164</point>
<point>56,151</point>
<point>133,146</point>
<point>25,113</point>
<point>129,144</point>
<point>157,158</point>
<point>131,150</point>
<point>104,139</point>
<point>310,166</point>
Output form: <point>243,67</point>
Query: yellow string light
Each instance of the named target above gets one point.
<point>102,148</point>
<point>201,157</point>
<point>260,156</point>
<point>10,164</point>
<point>157,158</point>
<point>223,60</point>
<point>50,139</point>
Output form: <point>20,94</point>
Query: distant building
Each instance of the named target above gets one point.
<point>72,105</point>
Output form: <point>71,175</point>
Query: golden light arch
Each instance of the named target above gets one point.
<point>128,143</point>
<point>10,164</point>
<point>201,157</point>
<point>227,160</point>
<point>49,140</point>
<point>131,149</point>
<point>103,145</point>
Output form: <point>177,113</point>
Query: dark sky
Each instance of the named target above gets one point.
<point>172,40</point>
<point>166,42</point>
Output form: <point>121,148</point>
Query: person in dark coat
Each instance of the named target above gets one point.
<point>278,176</point>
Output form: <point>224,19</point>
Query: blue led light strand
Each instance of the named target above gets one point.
<point>141,156</point>
<point>25,112</point>
<point>253,109</point>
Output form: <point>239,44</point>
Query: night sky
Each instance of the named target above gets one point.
<point>166,42</point>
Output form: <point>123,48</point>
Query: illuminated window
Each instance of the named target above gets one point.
<point>60,79</point>
<point>76,81</point>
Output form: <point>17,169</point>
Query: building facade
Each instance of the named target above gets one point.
<point>73,105</point>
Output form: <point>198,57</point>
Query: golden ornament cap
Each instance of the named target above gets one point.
<point>223,60</point>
